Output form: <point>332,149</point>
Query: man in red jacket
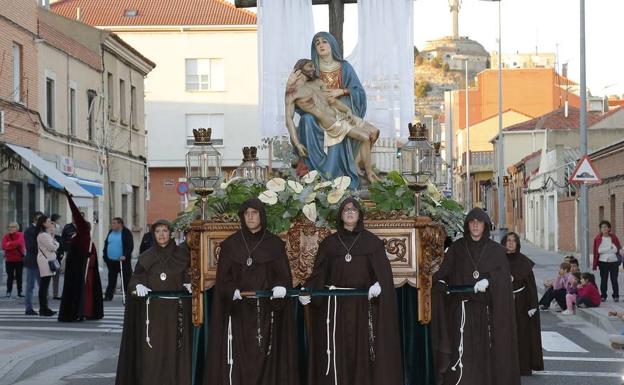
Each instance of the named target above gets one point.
<point>14,250</point>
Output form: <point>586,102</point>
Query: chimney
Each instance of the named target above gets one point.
<point>565,109</point>
<point>45,4</point>
<point>78,14</point>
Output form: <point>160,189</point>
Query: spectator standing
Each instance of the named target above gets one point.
<point>30,262</point>
<point>607,258</point>
<point>14,250</point>
<point>60,253</point>
<point>47,247</point>
<point>147,241</point>
<point>118,248</point>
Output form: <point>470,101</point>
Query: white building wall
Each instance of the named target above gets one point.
<point>167,103</point>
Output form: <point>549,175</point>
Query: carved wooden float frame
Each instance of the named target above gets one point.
<point>414,247</point>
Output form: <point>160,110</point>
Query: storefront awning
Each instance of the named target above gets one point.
<point>55,177</point>
<point>92,186</point>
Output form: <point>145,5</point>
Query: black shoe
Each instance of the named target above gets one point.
<point>20,295</point>
<point>616,299</point>
<point>59,298</point>
<point>107,298</point>
<point>31,312</point>
<point>8,295</point>
<point>46,312</point>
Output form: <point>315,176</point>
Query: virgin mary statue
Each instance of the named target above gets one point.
<point>342,82</point>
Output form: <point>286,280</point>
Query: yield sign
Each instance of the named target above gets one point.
<point>585,172</point>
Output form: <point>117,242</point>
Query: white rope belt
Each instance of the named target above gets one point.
<point>147,320</point>
<point>519,290</point>
<point>327,321</point>
<point>460,349</point>
<point>230,350</point>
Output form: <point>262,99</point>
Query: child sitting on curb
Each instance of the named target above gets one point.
<point>557,289</point>
<point>574,280</point>
<point>587,292</point>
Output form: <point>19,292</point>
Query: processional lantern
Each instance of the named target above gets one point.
<point>417,161</point>
<point>203,165</point>
<point>251,168</point>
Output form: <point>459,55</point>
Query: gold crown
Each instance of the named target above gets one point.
<point>253,153</point>
<point>417,131</point>
<point>246,154</point>
<point>436,147</point>
<point>202,135</point>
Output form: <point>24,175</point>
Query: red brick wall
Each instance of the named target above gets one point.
<point>608,166</point>
<point>164,201</point>
<point>567,224</point>
<point>19,25</point>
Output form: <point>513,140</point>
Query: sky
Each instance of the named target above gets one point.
<point>549,25</point>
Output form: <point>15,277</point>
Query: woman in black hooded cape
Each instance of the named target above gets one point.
<point>165,358</point>
<point>486,352</point>
<point>262,349</point>
<point>527,312</point>
<point>364,336</point>
<point>82,288</point>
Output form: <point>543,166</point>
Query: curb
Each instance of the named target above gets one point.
<point>611,326</point>
<point>38,363</point>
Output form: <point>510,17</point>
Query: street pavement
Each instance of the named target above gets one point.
<point>39,350</point>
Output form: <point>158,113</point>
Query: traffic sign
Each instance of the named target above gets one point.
<point>182,188</point>
<point>585,172</point>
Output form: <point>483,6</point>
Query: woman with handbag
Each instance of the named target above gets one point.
<point>46,261</point>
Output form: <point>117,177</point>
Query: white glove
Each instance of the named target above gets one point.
<point>279,292</point>
<point>532,312</point>
<point>481,286</point>
<point>236,295</point>
<point>374,291</point>
<point>304,299</point>
<point>141,290</point>
<point>187,286</point>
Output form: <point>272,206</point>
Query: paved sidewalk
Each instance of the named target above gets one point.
<point>24,354</point>
<point>547,266</point>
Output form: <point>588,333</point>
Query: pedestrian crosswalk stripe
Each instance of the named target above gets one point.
<point>58,329</point>
<point>555,342</point>
<point>53,319</point>
<point>576,374</point>
<point>584,359</point>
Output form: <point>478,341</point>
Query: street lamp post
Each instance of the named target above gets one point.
<point>468,191</point>
<point>584,220</point>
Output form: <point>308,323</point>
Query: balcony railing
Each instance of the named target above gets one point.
<point>479,161</point>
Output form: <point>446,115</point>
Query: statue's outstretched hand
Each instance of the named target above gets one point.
<point>302,150</point>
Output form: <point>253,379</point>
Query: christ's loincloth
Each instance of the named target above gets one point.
<point>337,131</point>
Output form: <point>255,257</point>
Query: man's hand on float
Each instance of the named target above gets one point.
<point>374,291</point>
<point>304,299</point>
<point>236,295</point>
<point>279,292</point>
<point>481,286</point>
<point>142,290</point>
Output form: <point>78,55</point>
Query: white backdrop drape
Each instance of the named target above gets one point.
<point>384,61</point>
<point>285,31</point>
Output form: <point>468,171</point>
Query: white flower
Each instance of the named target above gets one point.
<point>225,184</point>
<point>335,196</point>
<point>276,184</point>
<point>295,186</point>
<point>310,198</point>
<point>309,177</point>
<point>309,211</point>
<point>342,182</point>
<point>322,185</point>
<point>269,197</point>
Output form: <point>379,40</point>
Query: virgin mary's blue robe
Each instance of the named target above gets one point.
<point>340,158</point>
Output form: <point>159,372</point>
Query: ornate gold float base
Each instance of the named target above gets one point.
<point>414,247</point>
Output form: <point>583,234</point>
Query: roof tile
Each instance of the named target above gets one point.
<point>73,48</point>
<point>556,120</point>
<point>154,12</point>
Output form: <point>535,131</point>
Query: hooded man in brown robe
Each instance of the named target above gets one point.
<point>474,333</point>
<point>251,341</point>
<point>527,313</point>
<point>354,340</point>
<point>158,352</point>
